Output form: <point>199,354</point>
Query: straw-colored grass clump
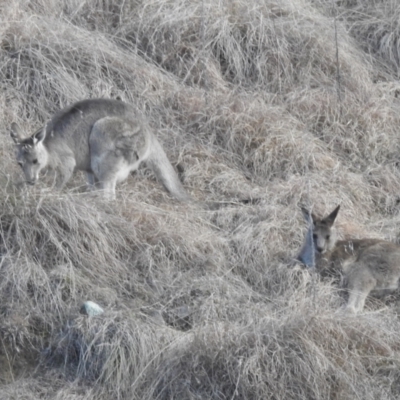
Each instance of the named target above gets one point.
<point>253,109</point>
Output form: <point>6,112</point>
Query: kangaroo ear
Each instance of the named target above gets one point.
<point>330,219</point>
<point>16,133</point>
<point>39,136</point>
<point>314,218</point>
<point>306,214</point>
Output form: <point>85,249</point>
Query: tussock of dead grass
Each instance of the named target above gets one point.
<point>259,362</point>
<point>376,26</point>
<point>243,96</point>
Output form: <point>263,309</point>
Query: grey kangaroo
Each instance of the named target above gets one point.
<point>105,138</point>
<point>369,266</point>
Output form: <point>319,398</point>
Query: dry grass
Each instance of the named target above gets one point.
<point>201,304</point>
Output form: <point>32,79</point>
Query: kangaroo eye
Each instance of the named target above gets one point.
<point>314,236</point>
<point>327,237</point>
<point>34,161</point>
<point>20,163</point>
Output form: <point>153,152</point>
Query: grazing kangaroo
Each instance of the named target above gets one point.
<point>105,138</point>
<point>369,266</point>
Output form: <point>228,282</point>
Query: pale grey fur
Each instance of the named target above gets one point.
<point>105,138</point>
<point>369,266</point>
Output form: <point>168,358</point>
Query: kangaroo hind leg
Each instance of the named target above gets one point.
<point>114,147</point>
<point>356,301</point>
<point>92,181</point>
<point>108,188</point>
<point>360,283</point>
<point>106,168</point>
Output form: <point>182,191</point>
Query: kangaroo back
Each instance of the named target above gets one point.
<point>71,127</point>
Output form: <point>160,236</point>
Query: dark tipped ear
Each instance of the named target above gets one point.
<point>314,218</point>
<point>16,133</point>
<point>330,219</point>
<point>39,136</point>
<point>306,214</point>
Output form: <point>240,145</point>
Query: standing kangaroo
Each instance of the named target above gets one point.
<point>105,138</point>
<point>368,265</point>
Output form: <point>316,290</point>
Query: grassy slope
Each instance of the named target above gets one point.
<point>201,304</point>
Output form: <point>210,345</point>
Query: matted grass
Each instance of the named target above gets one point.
<point>201,304</point>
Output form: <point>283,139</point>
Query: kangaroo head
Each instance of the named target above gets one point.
<point>31,154</point>
<point>324,234</point>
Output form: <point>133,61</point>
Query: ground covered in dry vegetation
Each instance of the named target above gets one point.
<point>249,103</point>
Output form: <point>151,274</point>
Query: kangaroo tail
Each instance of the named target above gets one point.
<point>159,163</point>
